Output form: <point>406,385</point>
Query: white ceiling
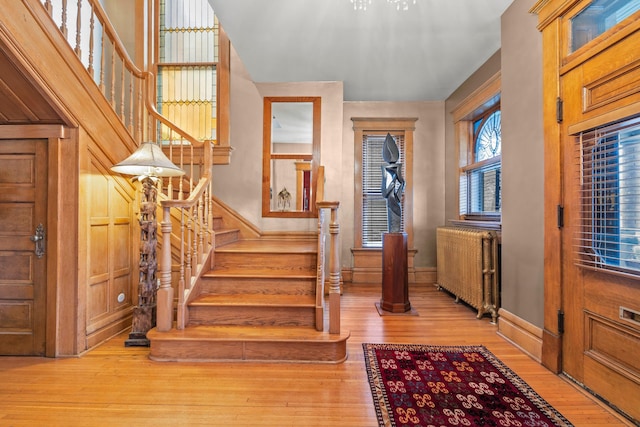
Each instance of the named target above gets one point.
<point>381,54</point>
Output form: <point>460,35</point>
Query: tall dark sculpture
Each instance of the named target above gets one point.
<point>392,183</point>
<point>395,283</point>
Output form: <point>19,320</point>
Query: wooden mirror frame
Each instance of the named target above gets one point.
<point>268,156</point>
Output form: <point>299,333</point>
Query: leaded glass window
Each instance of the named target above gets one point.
<point>188,57</point>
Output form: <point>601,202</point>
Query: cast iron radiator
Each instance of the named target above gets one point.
<point>467,266</point>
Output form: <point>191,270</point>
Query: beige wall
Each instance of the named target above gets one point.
<point>522,165</point>
<point>520,64</point>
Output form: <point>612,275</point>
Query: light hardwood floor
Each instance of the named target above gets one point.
<point>117,386</point>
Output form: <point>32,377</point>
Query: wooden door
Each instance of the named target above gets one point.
<point>601,234</point>
<point>23,201</point>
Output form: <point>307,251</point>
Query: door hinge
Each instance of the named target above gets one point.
<point>560,216</point>
<point>559,110</point>
<point>560,322</point>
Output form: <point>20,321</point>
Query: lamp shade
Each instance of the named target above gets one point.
<point>148,160</point>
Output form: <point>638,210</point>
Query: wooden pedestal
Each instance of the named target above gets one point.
<point>395,277</point>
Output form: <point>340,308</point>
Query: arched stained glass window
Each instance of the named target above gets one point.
<point>488,143</point>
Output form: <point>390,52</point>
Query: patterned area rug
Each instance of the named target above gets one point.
<point>420,385</point>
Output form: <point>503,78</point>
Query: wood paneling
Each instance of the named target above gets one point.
<point>21,102</point>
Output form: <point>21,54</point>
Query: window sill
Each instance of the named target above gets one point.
<point>485,225</point>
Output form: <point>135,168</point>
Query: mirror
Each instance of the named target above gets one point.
<point>291,152</point>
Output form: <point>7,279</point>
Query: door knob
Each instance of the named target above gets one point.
<point>38,239</point>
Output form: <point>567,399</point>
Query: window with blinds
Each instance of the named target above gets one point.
<point>608,236</point>
<point>188,56</point>
<point>374,205</point>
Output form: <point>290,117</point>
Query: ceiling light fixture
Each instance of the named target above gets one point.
<point>360,4</point>
<point>401,4</point>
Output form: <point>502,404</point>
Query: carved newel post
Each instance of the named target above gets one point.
<point>395,276</point>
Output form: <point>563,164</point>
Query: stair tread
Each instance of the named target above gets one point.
<point>257,272</point>
<point>249,333</point>
<point>270,246</point>
<point>280,300</point>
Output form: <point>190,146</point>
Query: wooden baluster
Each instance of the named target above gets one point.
<point>102,63</point>
<point>164,313</point>
<point>170,188</point>
<point>63,23</point>
<point>113,76</point>
<point>191,169</point>
<point>122,92</point>
<point>187,243</point>
<point>320,273</point>
<point>181,166</point>
<point>194,242</point>
<point>181,283</point>
<point>91,42</point>
<point>140,112</point>
<point>131,97</point>
<point>77,49</point>
<point>48,7</point>
<point>202,228</point>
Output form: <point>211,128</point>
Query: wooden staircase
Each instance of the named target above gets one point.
<point>257,303</point>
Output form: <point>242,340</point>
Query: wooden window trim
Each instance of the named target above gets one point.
<point>479,102</point>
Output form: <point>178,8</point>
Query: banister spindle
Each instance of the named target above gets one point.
<point>92,24</point>
<point>63,19</point>
<point>181,320</point>
<point>77,49</point>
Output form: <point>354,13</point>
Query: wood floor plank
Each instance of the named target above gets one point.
<point>115,385</point>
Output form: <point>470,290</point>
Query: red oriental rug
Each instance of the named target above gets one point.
<point>420,385</point>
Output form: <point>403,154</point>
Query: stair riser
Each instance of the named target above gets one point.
<point>252,316</point>
<point>216,350</point>
<point>218,223</point>
<point>226,237</point>
<point>265,286</point>
<point>292,263</point>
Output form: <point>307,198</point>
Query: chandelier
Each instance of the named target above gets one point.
<point>360,4</point>
<point>399,4</point>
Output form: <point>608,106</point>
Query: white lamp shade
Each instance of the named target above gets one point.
<point>148,160</point>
